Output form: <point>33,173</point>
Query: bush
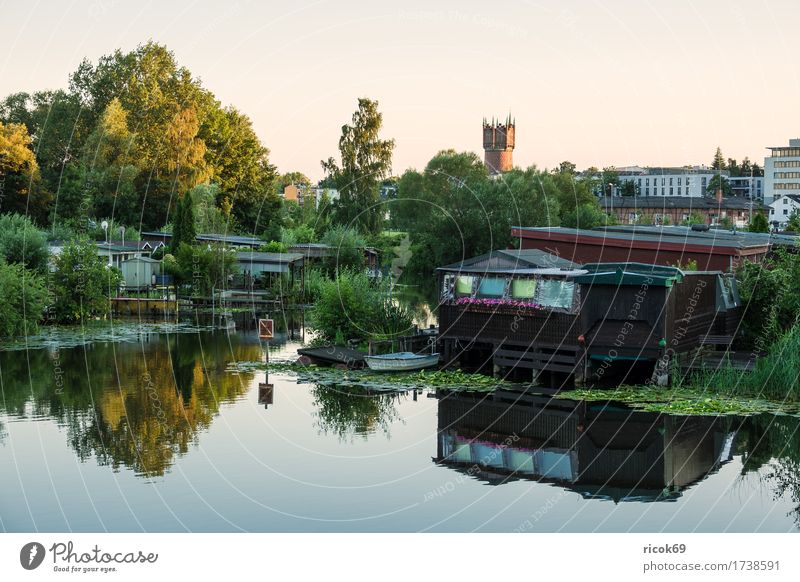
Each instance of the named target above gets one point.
<point>776,376</point>
<point>274,246</point>
<point>83,282</point>
<point>22,243</point>
<point>352,306</point>
<point>24,299</point>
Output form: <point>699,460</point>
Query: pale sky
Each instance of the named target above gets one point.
<point>614,82</point>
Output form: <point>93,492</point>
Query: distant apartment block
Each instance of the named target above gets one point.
<point>691,182</point>
<point>782,171</point>
<point>301,193</point>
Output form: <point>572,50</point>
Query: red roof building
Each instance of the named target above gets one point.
<point>721,250</point>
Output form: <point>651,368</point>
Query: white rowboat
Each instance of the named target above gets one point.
<point>401,362</point>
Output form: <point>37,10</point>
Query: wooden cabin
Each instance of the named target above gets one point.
<point>596,450</point>
<point>579,324</point>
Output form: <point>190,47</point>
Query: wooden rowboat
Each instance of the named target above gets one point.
<point>401,362</point>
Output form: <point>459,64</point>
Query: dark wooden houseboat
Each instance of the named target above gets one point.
<point>515,311</point>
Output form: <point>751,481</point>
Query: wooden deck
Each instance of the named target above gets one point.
<point>143,305</point>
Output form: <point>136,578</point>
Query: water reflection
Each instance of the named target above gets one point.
<point>597,451</point>
<point>771,448</point>
<point>136,405</point>
<point>347,411</point>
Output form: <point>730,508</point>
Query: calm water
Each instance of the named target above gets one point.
<point>157,434</point>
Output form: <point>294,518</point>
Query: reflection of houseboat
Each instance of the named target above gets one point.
<point>527,310</point>
<point>597,451</point>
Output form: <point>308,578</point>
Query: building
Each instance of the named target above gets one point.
<point>782,171</point>
<point>498,145</point>
<point>231,240</point>
<point>747,187</point>
<point>302,193</point>
<point>691,181</point>
<point>781,209</point>
<point>140,272</point>
<point>575,322</point>
<point>669,245</point>
<point>676,210</point>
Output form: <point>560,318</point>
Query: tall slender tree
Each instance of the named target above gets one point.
<point>365,161</point>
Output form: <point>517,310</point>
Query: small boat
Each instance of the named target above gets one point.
<point>401,362</point>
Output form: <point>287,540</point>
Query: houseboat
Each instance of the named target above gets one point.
<point>525,312</point>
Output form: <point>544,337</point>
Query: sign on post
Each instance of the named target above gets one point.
<point>266,329</point>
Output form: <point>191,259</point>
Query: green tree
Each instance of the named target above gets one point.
<point>628,188</point>
<point>759,223</point>
<point>586,216</point>
<point>567,167</point>
<point>694,218</point>
<point>109,172</point>
<point>719,161</point>
<point>365,161</point>
<point>610,179</point>
<point>24,299</point>
<point>716,183</point>
<point>82,282</point>
<point>204,269</point>
<point>22,243</point>
<point>208,216</point>
<point>347,249</point>
<point>793,225</point>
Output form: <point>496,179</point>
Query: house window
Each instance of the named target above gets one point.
<point>670,189</point>
<point>786,211</point>
<point>555,293</point>
<point>523,288</point>
<point>492,287</point>
<point>464,285</point>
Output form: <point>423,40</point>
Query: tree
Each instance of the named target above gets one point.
<point>204,268</point>
<point>22,243</point>
<point>24,299</point>
<point>587,216</point>
<point>365,161</point>
<point>629,188</point>
<point>759,223</point>
<point>183,225</point>
<point>18,168</point>
<point>208,216</point>
<point>347,249</point>
<point>16,155</point>
<point>794,221</point>
<point>610,180</point>
<point>109,171</point>
<point>453,210</point>
<point>567,167</point>
<point>719,161</point>
<point>694,218</point>
<point>716,183</point>
<point>82,282</point>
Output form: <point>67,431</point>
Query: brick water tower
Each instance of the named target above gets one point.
<point>498,145</point>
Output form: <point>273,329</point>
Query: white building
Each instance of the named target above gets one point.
<point>689,181</point>
<point>747,187</point>
<point>782,171</point>
<point>782,208</point>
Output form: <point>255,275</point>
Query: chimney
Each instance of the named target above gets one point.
<point>719,196</point>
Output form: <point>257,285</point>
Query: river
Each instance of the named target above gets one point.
<point>156,431</point>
